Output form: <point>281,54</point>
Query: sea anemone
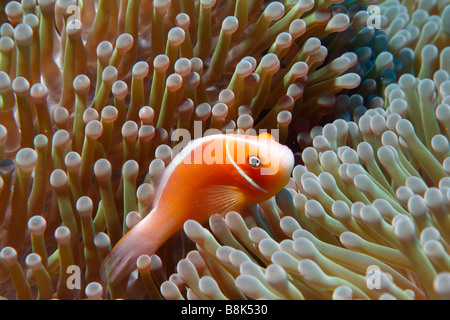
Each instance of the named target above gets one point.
<point>92,93</point>
<point>346,213</point>
<point>369,197</point>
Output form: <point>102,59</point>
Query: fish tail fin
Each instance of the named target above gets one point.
<point>121,261</point>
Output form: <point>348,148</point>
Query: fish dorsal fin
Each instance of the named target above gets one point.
<point>220,199</point>
<point>266,135</point>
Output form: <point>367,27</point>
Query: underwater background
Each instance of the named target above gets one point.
<point>359,90</point>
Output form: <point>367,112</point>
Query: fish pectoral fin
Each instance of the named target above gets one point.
<point>220,199</point>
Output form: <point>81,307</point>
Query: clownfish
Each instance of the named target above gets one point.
<point>215,174</point>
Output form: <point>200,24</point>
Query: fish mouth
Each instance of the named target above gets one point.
<point>281,165</point>
<point>287,162</point>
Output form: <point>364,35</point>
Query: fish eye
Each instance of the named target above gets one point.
<point>254,161</point>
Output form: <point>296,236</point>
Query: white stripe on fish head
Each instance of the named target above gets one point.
<point>194,147</point>
<point>241,172</point>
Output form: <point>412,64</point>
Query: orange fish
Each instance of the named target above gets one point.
<point>214,174</point>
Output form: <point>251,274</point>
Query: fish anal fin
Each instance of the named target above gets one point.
<point>122,259</point>
<point>220,199</point>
